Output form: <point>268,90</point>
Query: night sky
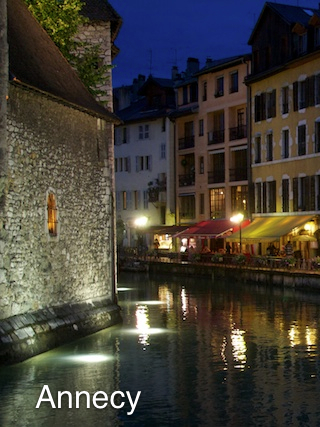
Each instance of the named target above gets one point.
<point>158,34</point>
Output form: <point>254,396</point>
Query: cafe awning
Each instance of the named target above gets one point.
<point>164,229</point>
<point>270,228</point>
<point>214,228</point>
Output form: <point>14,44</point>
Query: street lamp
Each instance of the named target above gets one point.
<point>237,219</point>
<point>140,222</point>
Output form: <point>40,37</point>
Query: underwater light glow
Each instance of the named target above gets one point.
<point>88,358</point>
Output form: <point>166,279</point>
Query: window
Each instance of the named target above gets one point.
<point>124,200</point>
<point>204,91</point>
<point>185,95</point>
<point>304,193</point>
<point>302,140</point>
<point>124,135</point>
<point>52,215</point>
<point>271,104</point>
<point>234,82</point>
<point>317,89</point>
<point>217,203</point>
<point>145,199</point>
<point>201,130</point>
<point>269,147</point>
<point>271,196</point>
<point>136,196</point>
<point>257,149</point>
<point>285,195</point>
<point>260,107</point>
<point>239,198</point>
<point>201,204</point>
<point>285,144</point>
<point>163,127</point>
<point>258,197</point>
<point>219,87</point>
<point>193,92</point>
<point>162,151</point>
<point>201,165</point>
<point>317,137</point>
<point>143,131</point>
<point>285,99</point>
<point>187,207</point>
<point>143,163</point>
<point>302,95</point>
<point>305,93</point>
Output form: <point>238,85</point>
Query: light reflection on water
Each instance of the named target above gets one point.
<point>201,353</point>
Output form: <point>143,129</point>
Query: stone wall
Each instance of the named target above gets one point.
<point>99,33</point>
<point>58,149</point>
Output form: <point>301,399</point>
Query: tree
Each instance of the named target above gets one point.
<point>62,19</point>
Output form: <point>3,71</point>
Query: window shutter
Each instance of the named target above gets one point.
<point>295,187</point>
<point>264,197</point>
<point>273,103</point>
<point>263,106</point>
<point>311,202</point>
<point>295,96</point>
<point>311,91</point>
<point>137,163</point>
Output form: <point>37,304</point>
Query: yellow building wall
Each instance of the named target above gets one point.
<point>295,165</point>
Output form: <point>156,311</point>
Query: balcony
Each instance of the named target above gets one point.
<point>216,177</point>
<point>186,142</point>
<point>238,132</point>
<point>216,137</point>
<point>238,174</point>
<point>186,179</point>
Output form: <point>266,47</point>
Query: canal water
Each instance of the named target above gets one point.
<point>200,352</point>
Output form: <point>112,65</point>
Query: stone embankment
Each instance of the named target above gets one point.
<point>290,277</point>
<point>29,334</point>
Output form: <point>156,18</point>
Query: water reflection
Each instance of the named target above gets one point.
<point>202,353</point>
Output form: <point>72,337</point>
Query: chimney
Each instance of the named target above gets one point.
<point>192,66</point>
<point>174,72</point>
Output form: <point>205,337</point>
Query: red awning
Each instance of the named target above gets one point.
<point>214,228</point>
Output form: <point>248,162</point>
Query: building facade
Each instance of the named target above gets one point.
<point>57,272</point>
<point>284,103</point>
<point>144,163</point>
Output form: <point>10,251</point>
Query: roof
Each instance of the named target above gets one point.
<point>162,82</point>
<point>271,228</point>
<point>37,63</point>
<point>218,64</point>
<point>101,10</point>
<point>290,14</point>
<point>139,111</point>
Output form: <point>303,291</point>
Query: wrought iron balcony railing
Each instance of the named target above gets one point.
<point>186,142</point>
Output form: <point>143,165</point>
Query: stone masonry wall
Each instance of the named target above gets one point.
<point>99,33</point>
<point>55,148</point>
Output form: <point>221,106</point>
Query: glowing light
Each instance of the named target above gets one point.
<point>143,325</point>
<point>237,218</point>
<point>88,358</point>
<point>311,337</point>
<point>293,335</point>
<point>123,289</point>
<point>239,347</point>
<point>141,221</point>
<point>184,304</point>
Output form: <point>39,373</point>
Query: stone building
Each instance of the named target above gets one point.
<point>57,268</point>
<point>102,29</point>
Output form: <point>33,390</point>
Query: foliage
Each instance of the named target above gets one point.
<point>61,19</point>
